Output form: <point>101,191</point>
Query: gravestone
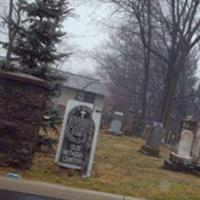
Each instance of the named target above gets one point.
<point>147,131</point>
<point>181,159</point>
<point>196,146</point>
<point>116,124</point>
<point>78,138</point>
<point>185,144</point>
<point>128,125</point>
<point>152,144</point>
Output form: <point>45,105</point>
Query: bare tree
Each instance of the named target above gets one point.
<point>182,26</point>
<point>143,22</point>
<point>12,20</point>
<point>122,62</point>
<point>176,24</point>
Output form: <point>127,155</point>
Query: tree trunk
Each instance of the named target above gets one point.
<point>168,94</point>
<point>147,60</point>
<point>10,35</point>
<point>145,86</point>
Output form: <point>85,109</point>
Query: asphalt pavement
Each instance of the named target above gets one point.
<point>10,195</point>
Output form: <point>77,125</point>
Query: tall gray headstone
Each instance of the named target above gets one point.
<point>154,138</point>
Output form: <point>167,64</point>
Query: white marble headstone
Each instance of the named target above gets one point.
<point>116,126</point>
<point>185,143</point>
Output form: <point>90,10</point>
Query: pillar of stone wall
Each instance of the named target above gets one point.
<point>22,101</point>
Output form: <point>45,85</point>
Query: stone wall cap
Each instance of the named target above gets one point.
<point>25,78</point>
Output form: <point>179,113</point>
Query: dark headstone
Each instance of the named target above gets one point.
<point>76,142</point>
<point>129,123</point>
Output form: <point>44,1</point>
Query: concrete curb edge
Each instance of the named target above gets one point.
<point>56,191</point>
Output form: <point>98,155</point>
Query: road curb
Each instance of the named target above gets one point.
<point>56,191</point>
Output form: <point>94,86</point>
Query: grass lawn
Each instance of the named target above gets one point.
<point>119,168</point>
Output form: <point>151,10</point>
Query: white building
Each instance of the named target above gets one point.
<point>84,89</point>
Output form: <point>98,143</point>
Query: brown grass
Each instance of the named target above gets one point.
<point>119,168</point>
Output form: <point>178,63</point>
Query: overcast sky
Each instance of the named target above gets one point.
<point>85,33</point>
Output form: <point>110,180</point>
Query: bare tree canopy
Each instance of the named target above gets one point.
<point>169,32</point>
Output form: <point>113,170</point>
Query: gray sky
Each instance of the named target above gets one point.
<point>86,32</point>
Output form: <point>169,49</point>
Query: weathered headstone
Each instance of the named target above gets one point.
<point>196,146</point>
<point>128,125</point>
<point>116,124</point>
<point>147,131</point>
<point>153,140</point>
<point>181,159</point>
<point>185,144</point>
<point>78,138</point>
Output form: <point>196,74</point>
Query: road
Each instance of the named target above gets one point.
<point>10,195</point>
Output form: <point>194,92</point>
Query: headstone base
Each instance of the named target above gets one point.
<point>179,159</point>
<point>197,168</point>
<point>178,163</point>
<point>150,151</point>
<point>114,133</point>
<point>178,167</point>
<point>66,172</point>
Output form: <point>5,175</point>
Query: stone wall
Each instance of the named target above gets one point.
<point>21,106</point>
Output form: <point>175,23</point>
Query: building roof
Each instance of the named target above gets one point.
<point>84,83</point>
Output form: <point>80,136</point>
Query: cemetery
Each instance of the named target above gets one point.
<point>139,176</point>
